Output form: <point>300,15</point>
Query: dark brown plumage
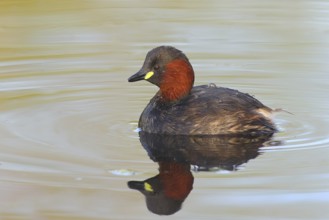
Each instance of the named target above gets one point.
<point>180,108</point>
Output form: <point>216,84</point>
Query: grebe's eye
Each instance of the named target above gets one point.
<point>156,67</point>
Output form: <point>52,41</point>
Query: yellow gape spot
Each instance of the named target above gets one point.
<point>149,75</point>
<point>148,187</point>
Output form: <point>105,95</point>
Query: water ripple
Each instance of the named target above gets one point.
<point>301,132</point>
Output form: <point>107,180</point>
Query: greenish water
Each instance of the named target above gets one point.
<point>68,116</point>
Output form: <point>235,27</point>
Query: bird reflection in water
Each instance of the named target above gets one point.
<point>175,154</point>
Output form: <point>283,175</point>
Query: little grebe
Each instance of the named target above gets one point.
<point>179,108</point>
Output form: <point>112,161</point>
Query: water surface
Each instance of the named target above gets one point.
<point>68,117</point>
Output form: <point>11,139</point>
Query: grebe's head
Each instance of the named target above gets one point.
<point>169,69</point>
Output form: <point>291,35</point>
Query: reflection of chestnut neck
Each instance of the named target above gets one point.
<point>165,192</point>
<point>176,179</point>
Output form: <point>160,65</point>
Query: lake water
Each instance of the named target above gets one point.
<point>68,116</point>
